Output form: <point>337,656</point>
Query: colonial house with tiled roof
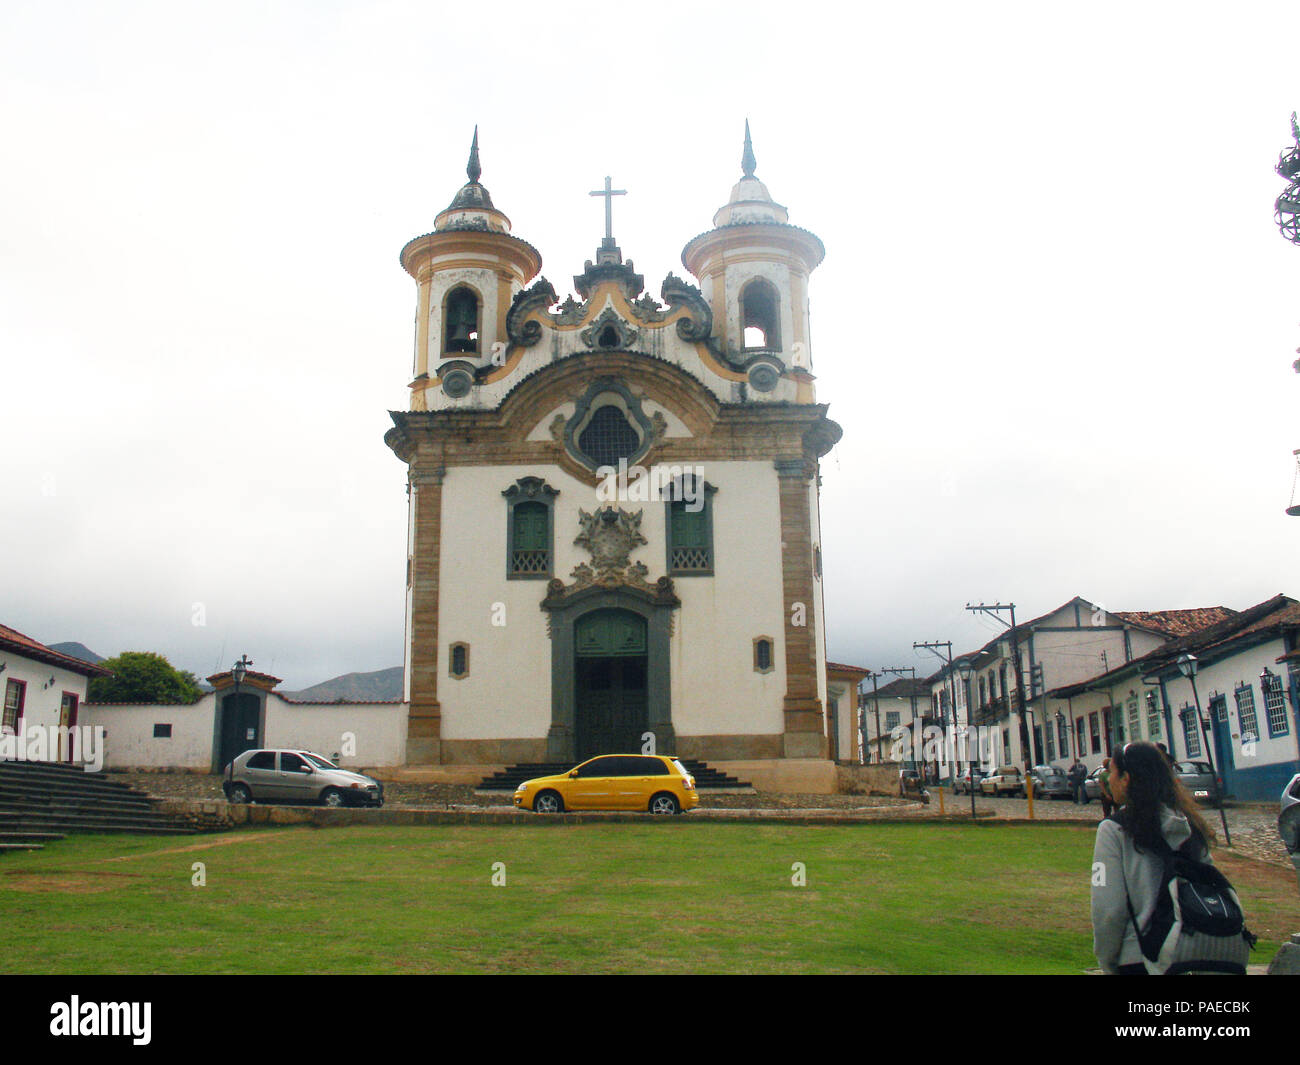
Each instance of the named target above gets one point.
<point>1247,688</point>
<point>902,703</point>
<point>41,686</point>
<point>1019,721</point>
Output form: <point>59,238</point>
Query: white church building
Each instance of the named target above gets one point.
<point>613,495</point>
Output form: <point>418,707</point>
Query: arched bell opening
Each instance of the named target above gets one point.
<point>461,320</point>
<point>760,316</point>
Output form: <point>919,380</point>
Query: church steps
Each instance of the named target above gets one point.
<point>39,791</point>
<point>27,840</point>
<point>52,800</point>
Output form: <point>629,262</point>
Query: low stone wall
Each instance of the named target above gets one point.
<point>879,778</point>
<point>219,816</point>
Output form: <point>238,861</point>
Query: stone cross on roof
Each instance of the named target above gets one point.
<point>609,193</point>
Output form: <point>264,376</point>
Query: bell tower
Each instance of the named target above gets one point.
<point>466,271</point>
<point>753,268</point>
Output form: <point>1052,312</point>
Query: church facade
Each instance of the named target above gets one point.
<point>613,529</point>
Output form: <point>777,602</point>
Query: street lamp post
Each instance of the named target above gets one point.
<point>239,672</point>
<point>1187,667</point>
<point>875,692</point>
<point>964,671</point>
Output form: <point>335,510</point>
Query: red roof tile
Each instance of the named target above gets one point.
<point>13,640</point>
<point>1177,623</point>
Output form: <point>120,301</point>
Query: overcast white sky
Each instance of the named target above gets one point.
<point>1055,319</point>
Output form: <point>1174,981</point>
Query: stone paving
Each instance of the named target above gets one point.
<point>1253,826</point>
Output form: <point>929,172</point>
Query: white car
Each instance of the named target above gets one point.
<point>297,776</point>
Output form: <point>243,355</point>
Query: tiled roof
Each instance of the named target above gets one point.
<point>905,688</point>
<point>1279,612</point>
<point>13,640</point>
<point>839,667</point>
<point>1177,623</point>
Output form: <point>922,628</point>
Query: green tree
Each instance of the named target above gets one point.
<point>144,677</point>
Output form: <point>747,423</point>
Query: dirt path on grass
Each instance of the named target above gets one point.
<point>223,841</point>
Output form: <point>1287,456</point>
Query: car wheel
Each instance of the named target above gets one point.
<point>663,803</point>
<point>332,797</point>
<point>548,802</point>
<point>240,794</point>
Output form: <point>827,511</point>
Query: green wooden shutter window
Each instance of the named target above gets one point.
<point>530,527</point>
<point>690,529</point>
<point>689,537</point>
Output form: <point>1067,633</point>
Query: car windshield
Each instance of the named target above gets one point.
<point>318,761</point>
<point>1193,767</point>
<point>1050,771</point>
<point>680,768</point>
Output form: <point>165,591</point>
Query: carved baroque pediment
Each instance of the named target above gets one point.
<point>531,312</point>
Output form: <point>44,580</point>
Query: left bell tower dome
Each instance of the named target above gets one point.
<point>467,272</point>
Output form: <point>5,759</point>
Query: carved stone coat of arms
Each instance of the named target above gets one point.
<point>611,534</point>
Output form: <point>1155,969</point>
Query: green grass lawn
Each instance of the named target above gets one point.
<point>660,897</point>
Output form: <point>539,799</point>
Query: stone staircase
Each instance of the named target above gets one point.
<point>41,802</point>
<point>706,778</point>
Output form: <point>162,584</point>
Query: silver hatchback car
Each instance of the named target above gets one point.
<point>297,777</point>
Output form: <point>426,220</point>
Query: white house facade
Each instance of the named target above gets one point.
<point>43,691</point>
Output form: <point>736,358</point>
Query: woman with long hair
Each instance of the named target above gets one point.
<point>1151,806</point>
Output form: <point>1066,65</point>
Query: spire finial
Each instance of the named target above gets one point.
<point>474,170</point>
<point>747,161</point>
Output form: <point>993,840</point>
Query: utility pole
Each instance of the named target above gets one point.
<point>880,755</point>
<point>900,671</point>
<point>933,647</point>
<point>994,610</point>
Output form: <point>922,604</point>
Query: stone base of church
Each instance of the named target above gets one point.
<point>504,751</point>
<point>797,776</point>
<point>422,751</point>
<point>801,776</point>
<point>712,749</point>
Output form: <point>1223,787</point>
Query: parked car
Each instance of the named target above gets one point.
<point>1050,782</point>
<point>1008,780</point>
<point>1199,779</point>
<point>297,776</point>
<point>961,785</point>
<point>657,783</point>
<point>1092,785</point>
<point>909,780</point>
<point>1288,820</point>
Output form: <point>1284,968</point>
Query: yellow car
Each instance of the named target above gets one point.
<point>650,782</point>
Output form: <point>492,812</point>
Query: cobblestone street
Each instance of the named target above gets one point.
<point>1253,826</point>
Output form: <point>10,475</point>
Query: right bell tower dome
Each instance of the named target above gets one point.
<point>753,269</point>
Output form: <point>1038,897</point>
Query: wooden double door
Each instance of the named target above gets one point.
<point>610,668</point>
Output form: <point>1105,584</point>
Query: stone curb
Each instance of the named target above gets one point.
<point>220,815</point>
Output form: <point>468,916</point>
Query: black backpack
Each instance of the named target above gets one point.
<point>1198,925</point>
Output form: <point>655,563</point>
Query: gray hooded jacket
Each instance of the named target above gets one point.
<point>1116,867</point>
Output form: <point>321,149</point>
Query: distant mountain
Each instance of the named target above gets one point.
<point>77,650</point>
<point>380,686</point>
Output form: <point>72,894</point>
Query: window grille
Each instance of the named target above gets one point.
<point>459,660</point>
<point>608,437</point>
<point>1191,731</point>
<point>1275,706</point>
<point>530,552</point>
<point>1153,721</point>
<point>1245,697</point>
<point>13,712</point>
<point>690,546</point>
